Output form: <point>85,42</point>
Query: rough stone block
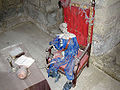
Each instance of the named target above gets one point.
<point>107,26</point>
<point>51,8</point>
<point>44,3</point>
<point>102,45</point>
<point>1,28</point>
<point>11,22</point>
<point>37,14</point>
<point>52,18</point>
<point>35,2</point>
<point>0,4</point>
<point>118,60</point>
<point>112,2</point>
<point>32,12</point>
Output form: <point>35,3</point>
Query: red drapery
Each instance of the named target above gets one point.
<point>77,23</point>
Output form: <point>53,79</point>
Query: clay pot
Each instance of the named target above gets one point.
<point>22,72</point>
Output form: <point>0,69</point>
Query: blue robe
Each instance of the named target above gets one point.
<point>68,59</point>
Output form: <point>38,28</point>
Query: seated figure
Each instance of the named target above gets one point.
<point>67,48</point>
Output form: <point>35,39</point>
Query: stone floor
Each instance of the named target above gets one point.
<point>36,41</point>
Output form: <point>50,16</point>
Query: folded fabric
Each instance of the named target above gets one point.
<point>68,58</point>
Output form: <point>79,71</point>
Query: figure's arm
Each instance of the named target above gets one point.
<point>56,43</point>
<point>49,54</point>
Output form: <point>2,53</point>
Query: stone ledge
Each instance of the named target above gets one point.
<point>109,62</point>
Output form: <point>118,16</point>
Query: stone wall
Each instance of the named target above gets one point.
<point>45,14</point>
<point>9,9</point>
<point>107,26</point>
<point>106,37</point>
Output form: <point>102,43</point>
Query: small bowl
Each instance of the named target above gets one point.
<point>22,72</point>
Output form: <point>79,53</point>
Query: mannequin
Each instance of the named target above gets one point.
<point>65,35</point>
<point>68,51</point>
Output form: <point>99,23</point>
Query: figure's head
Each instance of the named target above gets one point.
<point>63,27</point>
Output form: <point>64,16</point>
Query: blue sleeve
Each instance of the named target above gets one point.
<point>56,43</point>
